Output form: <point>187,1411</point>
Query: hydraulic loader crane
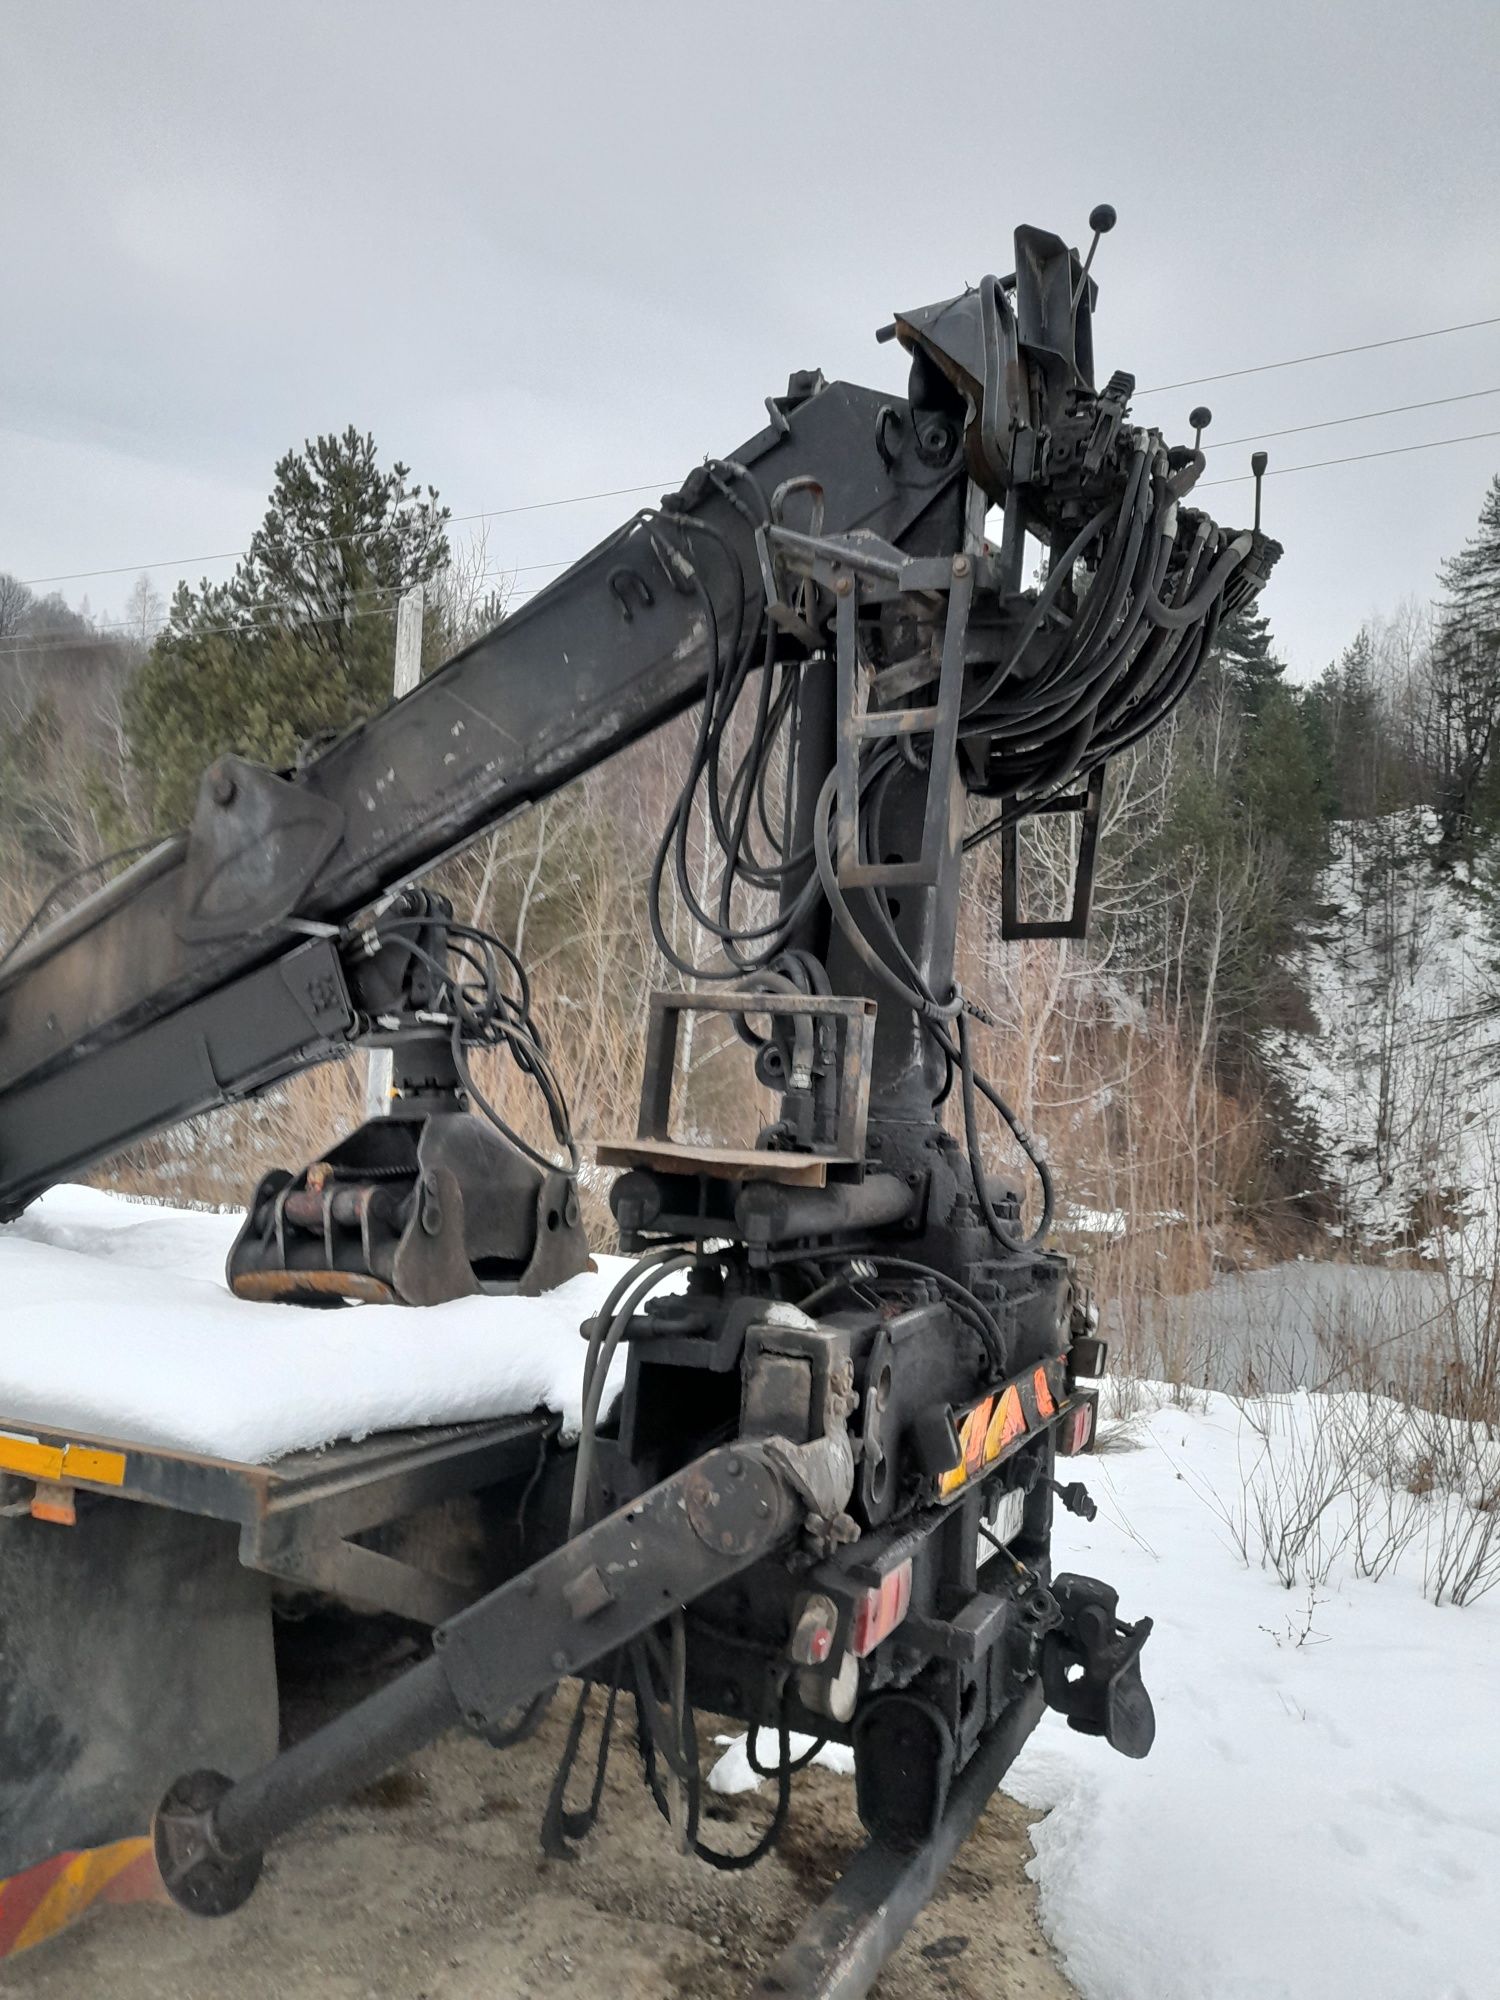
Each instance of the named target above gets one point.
<point>825,1501</point>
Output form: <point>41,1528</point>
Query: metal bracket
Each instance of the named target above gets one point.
<point>1087,804</point>
<point>860,568</point>
<point>838,1137</point>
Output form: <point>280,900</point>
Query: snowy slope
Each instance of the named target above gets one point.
<point>1401,1073</point>
<point>117,1323</point>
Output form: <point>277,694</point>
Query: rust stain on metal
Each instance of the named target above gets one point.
<point>286,1287</point>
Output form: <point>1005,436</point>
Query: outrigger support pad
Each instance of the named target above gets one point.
<point>197,1873</point>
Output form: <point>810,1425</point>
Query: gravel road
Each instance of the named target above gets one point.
<point>431,1886</point>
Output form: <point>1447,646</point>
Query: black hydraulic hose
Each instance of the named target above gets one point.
<point>1060,573</point>
<point>1181,615</point>
<point>608,1331</point>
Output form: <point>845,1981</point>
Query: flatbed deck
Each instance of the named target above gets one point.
<point>297,1515</point>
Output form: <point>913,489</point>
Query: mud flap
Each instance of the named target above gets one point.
<point>133,1646</point>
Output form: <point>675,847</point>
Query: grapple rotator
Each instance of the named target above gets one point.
<point>429,1201</point>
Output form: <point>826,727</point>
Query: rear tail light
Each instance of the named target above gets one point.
<point>1075,1433</point>
<point>878,1611</point>
<point>1089,1355</point>
<point>814,1631</point>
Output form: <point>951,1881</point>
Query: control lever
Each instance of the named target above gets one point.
<point>1101,220</point>
<point>1259,460</point>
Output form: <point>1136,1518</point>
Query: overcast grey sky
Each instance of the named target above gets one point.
<point>545,249</point>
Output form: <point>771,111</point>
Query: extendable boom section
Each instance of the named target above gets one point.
<point>190,979</point>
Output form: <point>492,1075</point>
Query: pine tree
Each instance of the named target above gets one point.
<point>1471,579</point>
<point>1464,678</point>
<point>1244,658</point>
<point>1350,737</point>
<point>298,643</point>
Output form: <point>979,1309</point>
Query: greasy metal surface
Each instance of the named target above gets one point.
<point>725,1163</point>
<point>288,1287</point>
<point>413,1208</point>
<point>528,1634</point>
<point>521,1638</point>
<point>306,1551</point>
<point>729,1503</point>
<point>839,1951</point>
<point>553,690</point>
<point>841,1138</point>
<point>296,1516</point>
<point>354,1485</point>
<point>279,1018</point>
<point>194,1875</point>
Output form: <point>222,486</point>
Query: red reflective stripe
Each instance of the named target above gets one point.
<point>44,1900</point>
<point>20,1895</point>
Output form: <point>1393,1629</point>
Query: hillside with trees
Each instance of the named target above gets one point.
<point>1166,1064</point>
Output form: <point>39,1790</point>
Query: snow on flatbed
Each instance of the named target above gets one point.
<point>115,1321</point>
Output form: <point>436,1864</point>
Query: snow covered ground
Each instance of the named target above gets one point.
<point>1320,1816</point>
<point>117,1323</point>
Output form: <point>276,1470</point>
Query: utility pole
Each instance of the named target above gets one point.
<point>408,672</point>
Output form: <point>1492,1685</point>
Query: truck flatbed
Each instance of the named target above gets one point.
<point>126,1567</point>
<point>297,1514</point>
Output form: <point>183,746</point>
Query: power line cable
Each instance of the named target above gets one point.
<point>1328,354</point>
<point>648,486</point>
<point>361,535</point>
<point>1354,458</point>
<point>1365,417</point>
<point>619,493</point>
<point>62,642</point>
<point>65,642</point>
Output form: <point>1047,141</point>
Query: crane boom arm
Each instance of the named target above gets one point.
<point>187,982</point>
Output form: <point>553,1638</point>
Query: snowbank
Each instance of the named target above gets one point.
<point>117,1323</point>
<point>733,1772</point>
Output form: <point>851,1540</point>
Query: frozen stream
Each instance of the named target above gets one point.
<point>1308,1325</point>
